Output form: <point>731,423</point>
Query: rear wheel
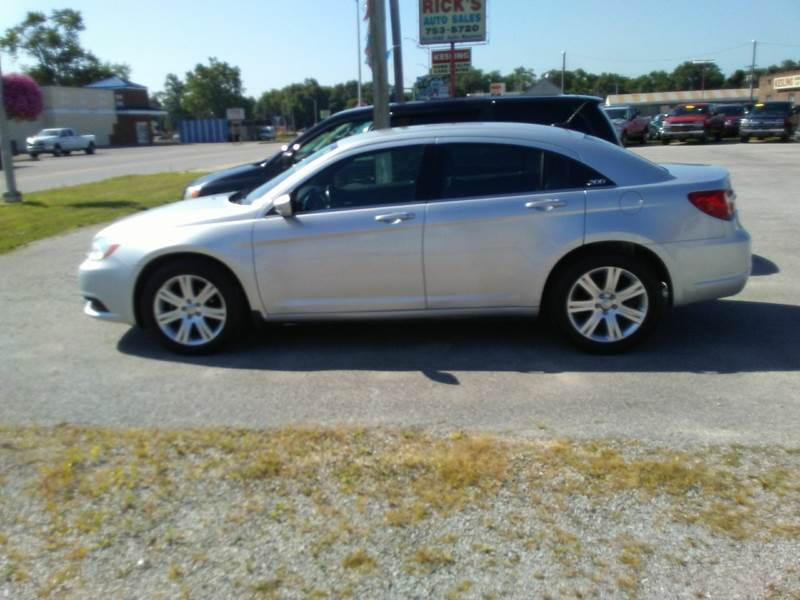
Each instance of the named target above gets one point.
<point>607,303</point>
<point>90,148</point>
<point>623,138</point>
<point>744,138</point>
<point>56,150</point>
<point>193,307</point>
<point>33,155</point>
<point>664,141</point>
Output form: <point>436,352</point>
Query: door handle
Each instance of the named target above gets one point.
<point>546,205</point>
<point>394,218</point>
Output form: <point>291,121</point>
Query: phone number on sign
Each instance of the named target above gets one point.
<point>453,29</point>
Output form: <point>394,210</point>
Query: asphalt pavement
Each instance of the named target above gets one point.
<point>49,171</point>
<point>722,371</point>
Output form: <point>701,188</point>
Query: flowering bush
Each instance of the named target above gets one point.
<point>22,97</point>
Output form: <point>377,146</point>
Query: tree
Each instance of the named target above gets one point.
<point>22,97</point>
<point>53,43</point>
<point>171,99</point>
<point>211,89</point>
<point>689,76</point>
<point>520,80</point>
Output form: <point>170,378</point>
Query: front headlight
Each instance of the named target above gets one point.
<point>192,191</point>
<point>101,249</point>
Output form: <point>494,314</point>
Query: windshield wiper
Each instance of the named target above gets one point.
<point>572,116</point>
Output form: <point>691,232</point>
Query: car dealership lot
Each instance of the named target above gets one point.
<point>724,371</point>
<point>49,171</point>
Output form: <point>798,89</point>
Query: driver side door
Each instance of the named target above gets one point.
<point>354,241</point>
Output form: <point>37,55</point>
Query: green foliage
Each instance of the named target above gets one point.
<point>211,89</point>
<point>53,42</point>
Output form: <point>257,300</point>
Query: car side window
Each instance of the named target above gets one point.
<point>373,178</point>
<point>331,135</point>
<point>475,170</point>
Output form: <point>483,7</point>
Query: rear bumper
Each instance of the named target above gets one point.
<point>710,269</point>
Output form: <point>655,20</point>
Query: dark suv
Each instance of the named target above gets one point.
<point>581,113</point>
<point>770,119</point>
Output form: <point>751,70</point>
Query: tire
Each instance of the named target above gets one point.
<point>586,306</point>
<point>703,139</point>
<point>90,148</point>
<point>56,150</point>
<point>744,138</point>
<point>33,155</point>
<point>200,326</point>
<point>67,152</point>
<point>665,141</point>
<point>718,138</point>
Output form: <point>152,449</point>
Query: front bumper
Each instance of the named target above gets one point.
<point>682,134</point>
<point>763,131</point>
<point>37,148</point>
<point>106,287</point>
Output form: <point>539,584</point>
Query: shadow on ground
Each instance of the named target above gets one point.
<point>723,336</point>
<point>763,266</point>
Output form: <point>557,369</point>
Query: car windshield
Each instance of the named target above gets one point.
<point>332,135</point>
<point>262,190</point>
<point>48,132</point>
<point>768,110</point>
<point>732,111</point>
<point>616,113</point>
<point>689,109</point>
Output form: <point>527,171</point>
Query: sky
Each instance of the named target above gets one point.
<point>278,42</point>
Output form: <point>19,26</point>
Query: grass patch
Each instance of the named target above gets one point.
<point>359,560</point>
<point>49,212</point>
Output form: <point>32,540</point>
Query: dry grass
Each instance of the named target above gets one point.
<point>93,490</point>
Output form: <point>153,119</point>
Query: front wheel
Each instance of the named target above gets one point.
<point>623,138</point>
<point>664,141</point>
<point>192,307</point>
<point>744,138</point>
<point>606,304</point>
<point>33,155</point>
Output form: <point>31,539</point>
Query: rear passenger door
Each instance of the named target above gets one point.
<point>502,215</point>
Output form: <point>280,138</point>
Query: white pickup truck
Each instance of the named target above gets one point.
<point>60,141</point>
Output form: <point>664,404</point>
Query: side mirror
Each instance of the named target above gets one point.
<point>283,205</point>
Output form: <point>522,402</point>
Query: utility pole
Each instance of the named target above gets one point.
<point>397,52</point>
<point>563,68</point>
<point>753,71</point>
<point>704,62</point>
<point>358,45</point>
<point>380,81</point>
<point>11,194</point>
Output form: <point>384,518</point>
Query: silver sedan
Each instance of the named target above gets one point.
<point>432,221</point>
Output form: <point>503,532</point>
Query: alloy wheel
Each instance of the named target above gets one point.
<point>607,304</point>
<point>189,310</point>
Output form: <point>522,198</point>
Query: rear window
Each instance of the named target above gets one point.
<point>771,108</point>
<point>732,111</point>
<point>584,116</point>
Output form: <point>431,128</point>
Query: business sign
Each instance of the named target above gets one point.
<point>234,114</point>
<point>497,89</point>
<point>444,68</point>
<point>461,55</point>
<point>783,83</point>
<point>452,21</point>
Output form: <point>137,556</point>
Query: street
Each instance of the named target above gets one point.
<point>723,371</point>
<point>49,171</point>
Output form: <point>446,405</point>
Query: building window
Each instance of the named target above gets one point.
<point>120,99</point>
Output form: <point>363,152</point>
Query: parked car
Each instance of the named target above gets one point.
<point>630,126</point>
<point>656,126</point>
<point>581,113</point>
<point>770,119</point>
<point>727,117</point>
<point>266,133</point>
<point>59,141</point>
<point>691,121</point>
<point>432,221</point>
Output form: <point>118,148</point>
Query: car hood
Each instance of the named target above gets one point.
<point>240,172</point>
<point>42,138</point>
<point>686,119</point>
<point>186,213</point>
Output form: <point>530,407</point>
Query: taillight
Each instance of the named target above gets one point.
<point>717,203</point>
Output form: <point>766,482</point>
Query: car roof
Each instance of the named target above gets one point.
<point>615,162</point>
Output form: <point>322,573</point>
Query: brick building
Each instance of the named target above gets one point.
<point>780,86</point>
<point>135,117</point>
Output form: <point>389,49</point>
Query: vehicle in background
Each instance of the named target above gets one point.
<point>629,125</point>
<point>727,117</point>
<point>770,119</point>
<point>266,133</point>
<point>691,122</point>
<point>581,113</point>
<point>58,141</point>
<point>432,221</point>
<point>656,126</point>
